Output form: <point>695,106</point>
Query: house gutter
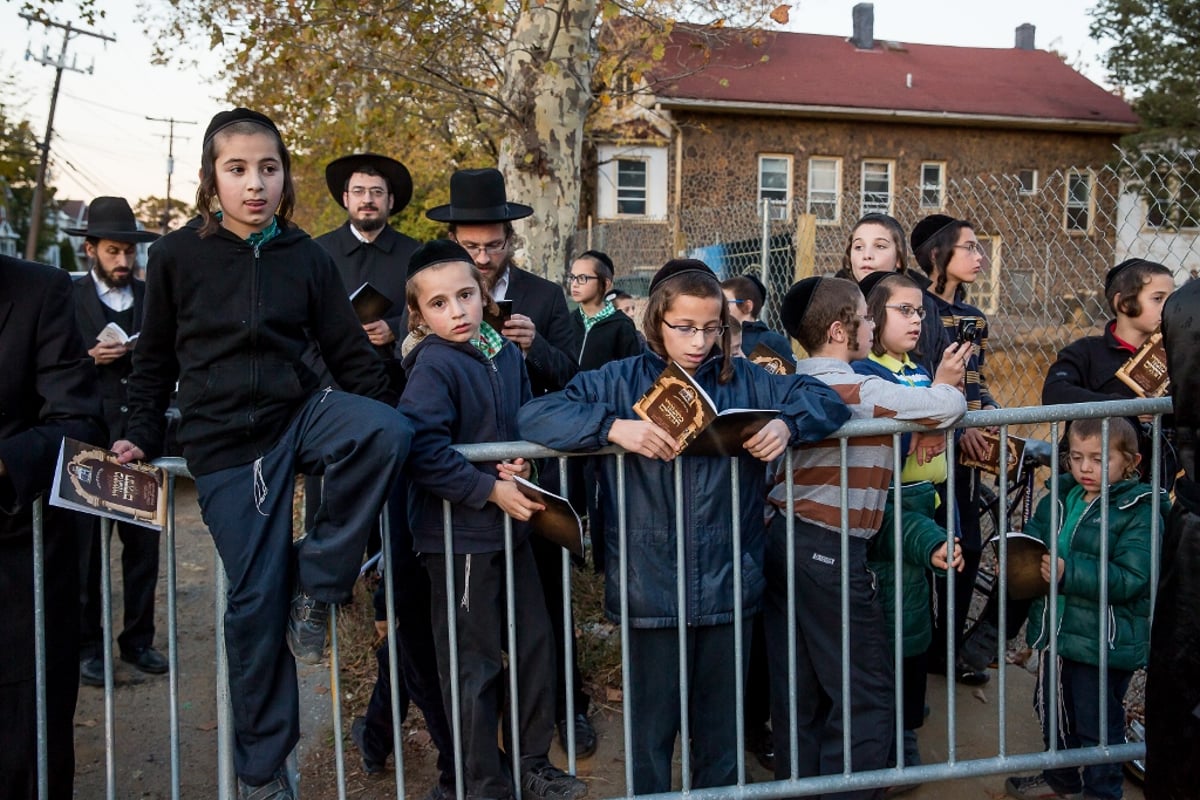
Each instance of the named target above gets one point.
<point>945,118</point>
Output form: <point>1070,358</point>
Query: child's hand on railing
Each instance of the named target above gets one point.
<point>770,441</point>
<point>512,502</point>
<point>938,557</point>
<point>644,438</point>
<point>127,451</point>
<point>516,466</point>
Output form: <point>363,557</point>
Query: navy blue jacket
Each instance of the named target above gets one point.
<point>454,396</point>
<point>579,418</point>
<point>757,331</point>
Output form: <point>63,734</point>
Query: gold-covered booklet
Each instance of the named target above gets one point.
<point>771,361</point>
<point>1146,370</point>
<point>991,462</point>
<point>681,407</point>
<point>558,522</point>
<point>89,479</point>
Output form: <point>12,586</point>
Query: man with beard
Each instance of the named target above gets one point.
<point>480,218</point>
<point>366,249</point>
<point>109,294</point>
<point>1172,691</point>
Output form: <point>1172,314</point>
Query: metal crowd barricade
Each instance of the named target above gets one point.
<point>795,785</point>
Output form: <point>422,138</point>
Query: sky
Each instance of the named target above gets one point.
<point>103,144</point>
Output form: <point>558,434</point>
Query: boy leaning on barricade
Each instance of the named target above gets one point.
<point>829,318</point>
<point>1086,369</point>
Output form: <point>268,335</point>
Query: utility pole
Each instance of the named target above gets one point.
<point>171,122</point>
<point>39,189</point>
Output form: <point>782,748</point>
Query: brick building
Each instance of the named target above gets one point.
<point>827,128</point>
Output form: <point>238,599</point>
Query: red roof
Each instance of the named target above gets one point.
<point>829,74</point>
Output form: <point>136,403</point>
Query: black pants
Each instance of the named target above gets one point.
<point>479,619</point>
<point>966,524</point>
<point>18,703</point>
<point>417,668</point>
<point>139,575</point>
<point>819,709</point>
<point>359,445</point>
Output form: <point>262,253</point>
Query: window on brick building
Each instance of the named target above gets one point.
<point>631,182</point>
<point>1080,201</point>
<point>775,185</point>
<point>877,187</point>
<point>933,186</point>
<point>825,189</point>
<point>1027,181</point>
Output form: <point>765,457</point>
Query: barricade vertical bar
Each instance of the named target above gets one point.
<point>1156,480</point>
<point>568,676</point>
<point>739,679</point>
<point>335,698</point>
<point>897,534</point>
<point>389,605</point>
<point>950,608</point>
<point>39,646</point>
<point>847,720</point>
<point>452,632</point>
<point>623,567</point>
<point>681,610</point>
<point>172,636</point>
<point>1002,523</point>
<point>790,529</point>
<point>514,698</point>
<point>226,777</point>
<point>110,757</point>
<point>1102,622</point>
<point>1050,705</point>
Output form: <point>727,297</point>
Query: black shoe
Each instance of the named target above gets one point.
<point>91,671</point>
<point>548,782</point>
<point>971,677</point>
<point>585,736</point>
<point>761,742</point>
<point>358,734</point>
<point>306,629</point>
<point>146,659</point>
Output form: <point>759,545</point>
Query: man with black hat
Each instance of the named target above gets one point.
<point>108,303</point>
<point>480,218</point>
<point>366,249</point>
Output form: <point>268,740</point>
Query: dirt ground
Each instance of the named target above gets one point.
<point>141,742</point>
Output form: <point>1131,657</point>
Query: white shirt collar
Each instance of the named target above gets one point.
<point>118,299</point>
<point>500,289</point>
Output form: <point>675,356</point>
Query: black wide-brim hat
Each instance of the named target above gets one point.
<point>477,197</point>
<point>111,218</point>
<point>399,181</point>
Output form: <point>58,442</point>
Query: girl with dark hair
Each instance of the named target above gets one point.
<point>950,254</point>
<point>686,322</point>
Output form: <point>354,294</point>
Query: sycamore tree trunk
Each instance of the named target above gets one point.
<point>547,89</point>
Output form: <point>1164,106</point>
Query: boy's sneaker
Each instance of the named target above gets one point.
<point>275,789</point>
<point>1034,787</point>
<point>548,782</point>
<point>308,623</point>
<point>358,734</point>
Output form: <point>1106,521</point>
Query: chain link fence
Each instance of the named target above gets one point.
<point>1050,238</point>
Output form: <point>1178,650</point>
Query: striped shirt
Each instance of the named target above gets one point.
<point>816,467</point>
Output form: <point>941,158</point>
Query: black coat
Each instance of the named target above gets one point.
<point>383,263</point>
<point>89,312</point>
<point>550,360</point>
<point>232,322</point>
<point>48,391</point>
<point>611,339</point>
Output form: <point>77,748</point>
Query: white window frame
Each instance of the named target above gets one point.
<point>781,208</point>
<point>864,206</point>
<point>1089,205</point>
<point>813,199</point>
<point>939,187</point>
<point>1033,188</point>
<point>657,161</point>
<point>635,194</point>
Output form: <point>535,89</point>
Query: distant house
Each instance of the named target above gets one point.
<point>826,128</point>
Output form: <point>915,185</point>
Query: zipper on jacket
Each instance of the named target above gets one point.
<point>253,343</point>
